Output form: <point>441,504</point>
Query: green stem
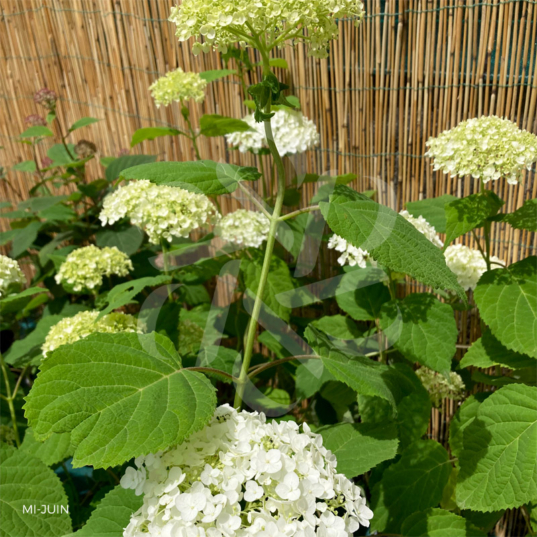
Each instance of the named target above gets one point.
<point>166,267</point>
<point>264,179</point>
<point>263,367</point>
<point>300,211</point>
<point>486,230</point>
<point>274,221</point>
<point>9,400</point>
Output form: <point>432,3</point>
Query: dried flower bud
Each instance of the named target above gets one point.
<point>46,97</point>
<point>35,120</point>
<point>46,162</point>
<point>85,149</point>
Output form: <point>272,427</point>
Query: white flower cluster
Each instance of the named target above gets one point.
<point>293,133</point>
<point>486,148</point>
<point>11,276</point>
<point>162,211</point>
<point>467,264</point>
<point>84,268</point>
<point>248,228</point>
<point>83,324</point>
<point>225,22</point>
<point>423,227</point>
<point>178,86</point>
<point>241,476</point>
<point>441,387</point>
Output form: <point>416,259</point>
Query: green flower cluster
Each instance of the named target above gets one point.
<point>178,86</point>
<point>441,387</point>
<point>486,148</point>
<point>11,276</point>
<point>84,268</point>
<point>83,324</point>
<point>225,22</point>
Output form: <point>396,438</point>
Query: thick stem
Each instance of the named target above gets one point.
<point>274,221</point>
<point>300,211</point>
<point>166,268</point>
<point>9,399</point>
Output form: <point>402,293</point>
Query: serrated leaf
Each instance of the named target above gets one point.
<point>127,239</point>
<point>83,122</point>
<point>60,156</point>
<point>487,351</point>
<point>37,132</point>
<point>27,481</point>
<point>24,238</point>
<point>150,133</point>
<point>215,74</point>
<point>25,166</point>
<point>216,125</point>
<point>465,214</point>
<point>433,210</point>
<point>498,460</point>
<point>422,328</point>
<point>114,169</point>
<point>507,302</point>
<point>414,483</point>
<point>360,447</point>
<point>220,358</point>
<point>525,217</point>
<point>439,523</point>
<point>112,515</point>
<point>18,301</point>
<point>53,450</point>
<point>120,396</point>
<point>388,237</point>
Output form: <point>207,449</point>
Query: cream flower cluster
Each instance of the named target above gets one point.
<point>11,276</point>
<point>162,211</point>
<point>225,22</point>
<point>247,228</point>
<point>423,227</point>
<point>84,268</point>
<point>178,86</point>
<point>441,387</point>
<point>293,133</point>
<point>467,264</point>
<point>241,476</point>
<point>83,324</point>
<point>486,148</point>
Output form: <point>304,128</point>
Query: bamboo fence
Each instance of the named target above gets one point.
<point>412,69</point>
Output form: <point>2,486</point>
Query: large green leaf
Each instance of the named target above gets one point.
<point>28,483</point>
<point>127,238</point>
<point>463,215</point>
<point>390,239</point>
<point>215,74</point>
<point>36,132</point>
<point>221,358</point>
<point>120,395</point>
<point>487,351</point>
<point>439,523</point>
<point>53,450</point>
<point>216,125</point>
<point>24,238</point>
<point>62,155</point>
<point>507,302</point>
<point>150,133</point>
<point>498,460</point>
<point>422,328</point>
<point>414,483</point>
<point>83,122</point>
<point>112,515</point>
<point>202,176</point>
<point>360,447</point>
<point>114,169</point>
<point>525,217</point>
<point>17,302</point>
<point>432,209</point>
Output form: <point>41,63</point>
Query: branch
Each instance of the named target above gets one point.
<point>254,371</point>
<point>300,211</point>
<point>213,371</point>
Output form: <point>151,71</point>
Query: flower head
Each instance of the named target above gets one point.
<point>293,133</point>
<point>83,324</point>
<point>178,86</point>
<point>222,23</point>
<point>47,98</point>
<point>441,387</point>
<point>163,212</point>
<point>11,276</point>
<point>85,149</point>
<point>486,148</point>
<point>243,477</point>
<point>35,120</point>
<point>248,228</point>
<point>84,268</point>
<point>350,255</point>
<point>467,264</point>
<point>423,227</point>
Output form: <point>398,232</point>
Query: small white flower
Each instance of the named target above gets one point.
<point>350,255</point>
<point>269,461</point>
<point>242,227</point>
<point>423,227</point>
<point>189,505</point>
<point>253,491</point>
<point>11,276</point>
<point>178,86</point>
<point>289,489</point>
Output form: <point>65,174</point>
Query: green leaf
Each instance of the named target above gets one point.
<point>216,125</point>
<point>112,515</point>
<point>25,166</point>
<point>59,155</point>
<point>26,481</point>
<point>114,169</point>
<point>414,483</point>
<point>279,62</point>
<point>150,133</point>
<point>53,450</point>
<point>41,203</point>
<point>388,237</point>
<point>220,358</point>
<point>126,239</point>
<point>507,302</point>
<point>37,132</point>
<point>120,395</point>
<point>498,460</point>
<point>360,447</point>
<point>433,210</point>
<point>422,328</point>
<point>439,523</point>
<point>463,215</point>
<point>94,189</point>
<point>361,293</point>
<point>211,76</point>
<point>24,238</point>
<point>278,280</point>
<point>58,213</point>
<point>487,351</point>
<point>18,301</point>
<point>202,176</point>
<point>83,122</point>
<point>525,217</point>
